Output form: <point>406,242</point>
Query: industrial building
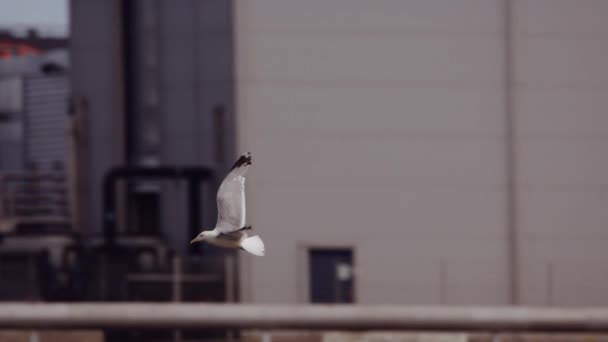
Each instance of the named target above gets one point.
<point>405,152</point>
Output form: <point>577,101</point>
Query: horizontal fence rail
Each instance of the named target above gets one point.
<point>344,317</point>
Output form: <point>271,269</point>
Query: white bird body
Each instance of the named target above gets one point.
<point>230,230</point>
<point>216,238</point>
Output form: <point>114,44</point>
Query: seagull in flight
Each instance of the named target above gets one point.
<point>230,230</point>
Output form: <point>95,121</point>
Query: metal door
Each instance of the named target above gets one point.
<point>331,278</point>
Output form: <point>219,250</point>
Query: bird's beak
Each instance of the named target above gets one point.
<point>196,239</point>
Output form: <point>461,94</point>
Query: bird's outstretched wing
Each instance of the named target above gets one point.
<point>231,197</point>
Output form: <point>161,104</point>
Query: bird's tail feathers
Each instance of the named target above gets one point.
<point>253,245</point>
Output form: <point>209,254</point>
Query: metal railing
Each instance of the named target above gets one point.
<point>326,317</point>
<point>33,198</point>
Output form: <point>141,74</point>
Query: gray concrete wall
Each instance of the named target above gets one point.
<point>382,126</point>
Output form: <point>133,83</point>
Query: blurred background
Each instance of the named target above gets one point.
<point>405,151</point>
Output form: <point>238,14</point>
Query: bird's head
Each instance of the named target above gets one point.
<point>204,235</point>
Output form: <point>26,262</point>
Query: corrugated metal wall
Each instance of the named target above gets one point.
<point>388,120</point>
<point>45,109</point>
<point>11,128</point>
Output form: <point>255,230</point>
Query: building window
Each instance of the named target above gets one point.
<point>331,275</point>
<point>144,213</point>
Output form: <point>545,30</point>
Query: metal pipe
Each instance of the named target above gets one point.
<point>349,317</point>
<point>513,249</point>
<point>194,174</point>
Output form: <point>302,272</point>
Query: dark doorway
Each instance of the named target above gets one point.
<point>331,275</point>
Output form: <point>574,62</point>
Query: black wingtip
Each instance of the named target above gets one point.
<point>244,159</point>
